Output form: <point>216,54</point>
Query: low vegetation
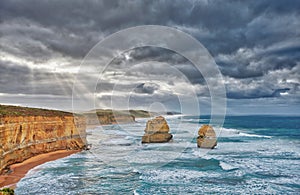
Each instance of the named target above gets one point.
<point>140,113</point>
<point>6,110</point>
<point>135,113</point>
<point>7,191</point>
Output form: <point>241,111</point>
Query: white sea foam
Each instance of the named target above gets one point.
<point>230,132</point>
<point>173,116</point>
<point>226,166</point>
<point>202,153</point>
<point>175,176</point>
<point>254,135</point>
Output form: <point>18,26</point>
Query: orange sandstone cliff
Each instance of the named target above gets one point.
<point>107,117</point>
<point>26,132</point>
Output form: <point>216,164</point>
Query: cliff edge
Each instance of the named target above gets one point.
<point>108,116</point>
<point>26,132</point>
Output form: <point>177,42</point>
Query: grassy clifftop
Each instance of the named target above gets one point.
<point>140,113</point>
<point>135,113</point>
<point>6,110</point>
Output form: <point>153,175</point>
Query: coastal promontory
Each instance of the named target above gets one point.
<point>27,132</point>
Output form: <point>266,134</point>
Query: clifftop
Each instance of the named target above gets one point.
<point>135,113</point>
<point>7,110</point>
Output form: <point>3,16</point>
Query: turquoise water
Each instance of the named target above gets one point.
<point>254,155</point>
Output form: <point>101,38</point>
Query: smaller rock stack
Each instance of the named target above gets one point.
<point>207,137</point>
<point>157,131</point>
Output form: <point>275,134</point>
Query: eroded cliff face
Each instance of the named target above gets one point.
<point>22,137</point>
<point>112,119</point>
<point>108,118</point>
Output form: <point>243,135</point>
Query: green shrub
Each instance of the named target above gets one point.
<point>7,191</point>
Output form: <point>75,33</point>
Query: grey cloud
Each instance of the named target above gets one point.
<point>16,79</point>
<point>145,100</point>
<point>231,26</point>
<point>250,40</point>
<point>256,93</point>
<point>149,53</point>
<point>256,62</point>
<point>29,39</point>
<point>157,54</point>
<point>160,55</point>
<point>147,88</point>
<point>283,84</point>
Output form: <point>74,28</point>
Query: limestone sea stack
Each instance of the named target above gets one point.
<point>157,131</point>
<point>207,137</point>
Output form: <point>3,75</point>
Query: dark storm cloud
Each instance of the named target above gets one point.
<point>256,93</point>
<point>12,74</point>
<point>147,88</point>
<point>250,63</point>
<point>155,54</point>
<point>231,24</point>
<point>148,53</point>
<point>256,40</point>
<point>28,39</point>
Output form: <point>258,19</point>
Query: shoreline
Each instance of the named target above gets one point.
<point>19,170</point>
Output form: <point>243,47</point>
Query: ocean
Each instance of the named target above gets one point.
<point>254,155</point>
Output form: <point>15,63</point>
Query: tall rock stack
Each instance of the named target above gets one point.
<point>207,137</point>
<point>157,131</point>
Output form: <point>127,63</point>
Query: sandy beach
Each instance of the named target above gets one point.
<point>19,170</point>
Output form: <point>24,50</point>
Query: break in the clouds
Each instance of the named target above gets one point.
<point>255,44</point>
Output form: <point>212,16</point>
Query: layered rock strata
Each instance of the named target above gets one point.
<point>108,119</point>
<point>207,137</point>
<point>43,131</point>
<point>157,131</point>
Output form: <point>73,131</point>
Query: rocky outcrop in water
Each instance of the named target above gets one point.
<point>26,132</point>
<point>207,137</point>
<point>157,131</point>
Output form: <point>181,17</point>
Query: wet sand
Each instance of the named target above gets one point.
<point>19,170</point>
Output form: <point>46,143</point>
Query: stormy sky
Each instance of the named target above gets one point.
<point>255,44</point>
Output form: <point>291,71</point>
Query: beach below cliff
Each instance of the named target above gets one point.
<point>19,170</point>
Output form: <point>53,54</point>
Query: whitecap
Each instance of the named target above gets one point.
<point>226,167</point>
<point>230,132</point>
<point>254,135</point>
<point>173,116</point>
